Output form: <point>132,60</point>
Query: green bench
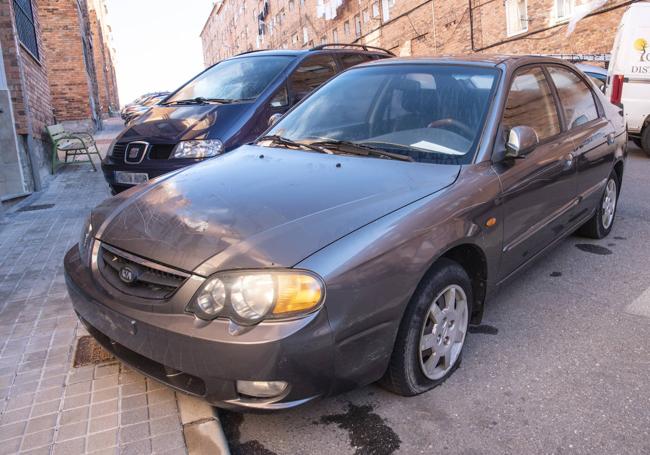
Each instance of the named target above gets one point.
<point>74,145</point>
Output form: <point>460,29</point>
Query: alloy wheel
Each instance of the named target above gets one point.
<point>609,203</point>
<point>443,332</point>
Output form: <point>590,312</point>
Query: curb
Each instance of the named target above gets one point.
<point>201,427</point>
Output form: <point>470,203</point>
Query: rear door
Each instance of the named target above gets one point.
<point>591,133</point>
<point>538,191</point>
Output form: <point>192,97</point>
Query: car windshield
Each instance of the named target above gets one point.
<point>243,78</point>
<point>428,113</point>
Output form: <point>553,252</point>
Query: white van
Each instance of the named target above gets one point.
<point>629,72</point>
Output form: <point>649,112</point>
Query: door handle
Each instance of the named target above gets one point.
<point>568,160</point>
<point>610,138</point>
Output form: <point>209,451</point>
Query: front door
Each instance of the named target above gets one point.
<point>539,190</point>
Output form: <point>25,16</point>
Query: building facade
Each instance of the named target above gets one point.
<point>57,67</point>
<point>414,27</point>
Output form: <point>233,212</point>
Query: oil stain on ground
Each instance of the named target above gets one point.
<point>230,422</point>
<point>369,434</point>
<point>484,329</point>
<point>594,249</point>
<point>556,274</point>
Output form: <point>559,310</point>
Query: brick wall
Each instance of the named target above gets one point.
<point>408,27</point>
<point>26,76</point>
<point>71,76</point>
<point>103,58</point>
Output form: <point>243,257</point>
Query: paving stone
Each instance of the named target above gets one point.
<point>105,394</point>
<point>134,416</point>
<point>41,423</point>
<point>104,408</point>
<point>167,424</point>
<point>132,402</point>
<point>103,423</point>
<point>10,447</point>
<point>103,440</point>
<point>76,401</point>
<point>134,432</point>
<point>12,430</point>
<point>136,448</point>
<point>167,441</point>
<point>73,446</point>
<point>47,407</point>
<point>40,439</point>
<point>72,430</point>
<point>74,415</point>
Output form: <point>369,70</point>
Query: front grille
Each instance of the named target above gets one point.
<point>119,150</point>
<point>160,151</point>
<point>156,151</point>
<point>149,280</point>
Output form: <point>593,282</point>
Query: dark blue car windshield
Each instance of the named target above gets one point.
<point>235,79</point>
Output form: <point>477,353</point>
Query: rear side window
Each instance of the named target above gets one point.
<point>530,103</point>
<point>576,97</point>
<point>311,73</point>
<point>349,60</point>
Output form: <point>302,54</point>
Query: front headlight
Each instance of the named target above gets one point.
<point>198,149</point>
<point>85,240</point>
<point>248,297</point>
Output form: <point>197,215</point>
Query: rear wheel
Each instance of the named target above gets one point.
<point>600,225</point>
<point>645,140</point>
<point>432,333</point>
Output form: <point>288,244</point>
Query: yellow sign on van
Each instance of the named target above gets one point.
<point>640,44</point>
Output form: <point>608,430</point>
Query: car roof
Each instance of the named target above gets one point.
<point>487,60</point>
<point>302,52</point>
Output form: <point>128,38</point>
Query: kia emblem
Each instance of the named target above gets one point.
<point>128,275</point>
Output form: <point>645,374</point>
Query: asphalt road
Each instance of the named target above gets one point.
<point>560,365</point>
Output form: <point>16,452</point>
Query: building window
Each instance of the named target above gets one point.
<point>516,16</point>
<point>346,28</point>
<point>563,9</point>
<point>294,38</point>
<point>375,9</point>
<point>25,25</point>
<point>366,15</point>
<point>305,35</point>
<point>323,39</point>
<point>291,5</point>
<point>357,25</point>
<point>335,36</point>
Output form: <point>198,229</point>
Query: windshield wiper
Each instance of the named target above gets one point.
<point>276,139</point>
<point>201,100</point>
<point>356,148</point>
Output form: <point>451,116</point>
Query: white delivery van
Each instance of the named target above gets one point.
<point>629,72</point>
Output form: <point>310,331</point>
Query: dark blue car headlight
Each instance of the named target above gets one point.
<point>198,149</point>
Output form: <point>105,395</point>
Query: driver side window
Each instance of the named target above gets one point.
<point>530,103</point>
<point>311,73</point>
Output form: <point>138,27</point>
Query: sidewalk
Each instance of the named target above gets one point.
<point>46,405</point>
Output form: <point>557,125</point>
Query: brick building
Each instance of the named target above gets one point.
<point>411,27</point>
<point>57,66</point>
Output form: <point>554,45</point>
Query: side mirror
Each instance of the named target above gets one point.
<point>521,141</point>
<point>274,118</point>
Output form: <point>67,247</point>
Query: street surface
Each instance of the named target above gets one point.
<point>560,365</point>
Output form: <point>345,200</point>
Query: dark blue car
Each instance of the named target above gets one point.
<point>225,106</point>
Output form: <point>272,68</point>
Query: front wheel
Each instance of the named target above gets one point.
<point>432,333</point>
<point>645,140</point>
<point>600,225</point>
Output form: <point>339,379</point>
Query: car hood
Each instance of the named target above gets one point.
<point>185,122</point>
<point>261,207</point>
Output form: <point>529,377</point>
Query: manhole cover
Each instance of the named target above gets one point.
<point>34,207</point>
<point>89,352</point>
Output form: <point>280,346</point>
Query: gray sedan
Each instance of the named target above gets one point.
<point>358,238</point>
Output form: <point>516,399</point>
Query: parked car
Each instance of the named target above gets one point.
<point>135,110</point>
<point>357,239</point>
<point>222,108</point>
<point>597,74</point>
<point>629,72</point>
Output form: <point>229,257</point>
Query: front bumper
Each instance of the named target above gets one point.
<point>154,168</point>
<point>203,359</point>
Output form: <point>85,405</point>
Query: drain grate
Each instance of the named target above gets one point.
<point>34,207</point>
<point>89,352</point>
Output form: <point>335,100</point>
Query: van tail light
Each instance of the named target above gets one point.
<point>617,89</point>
